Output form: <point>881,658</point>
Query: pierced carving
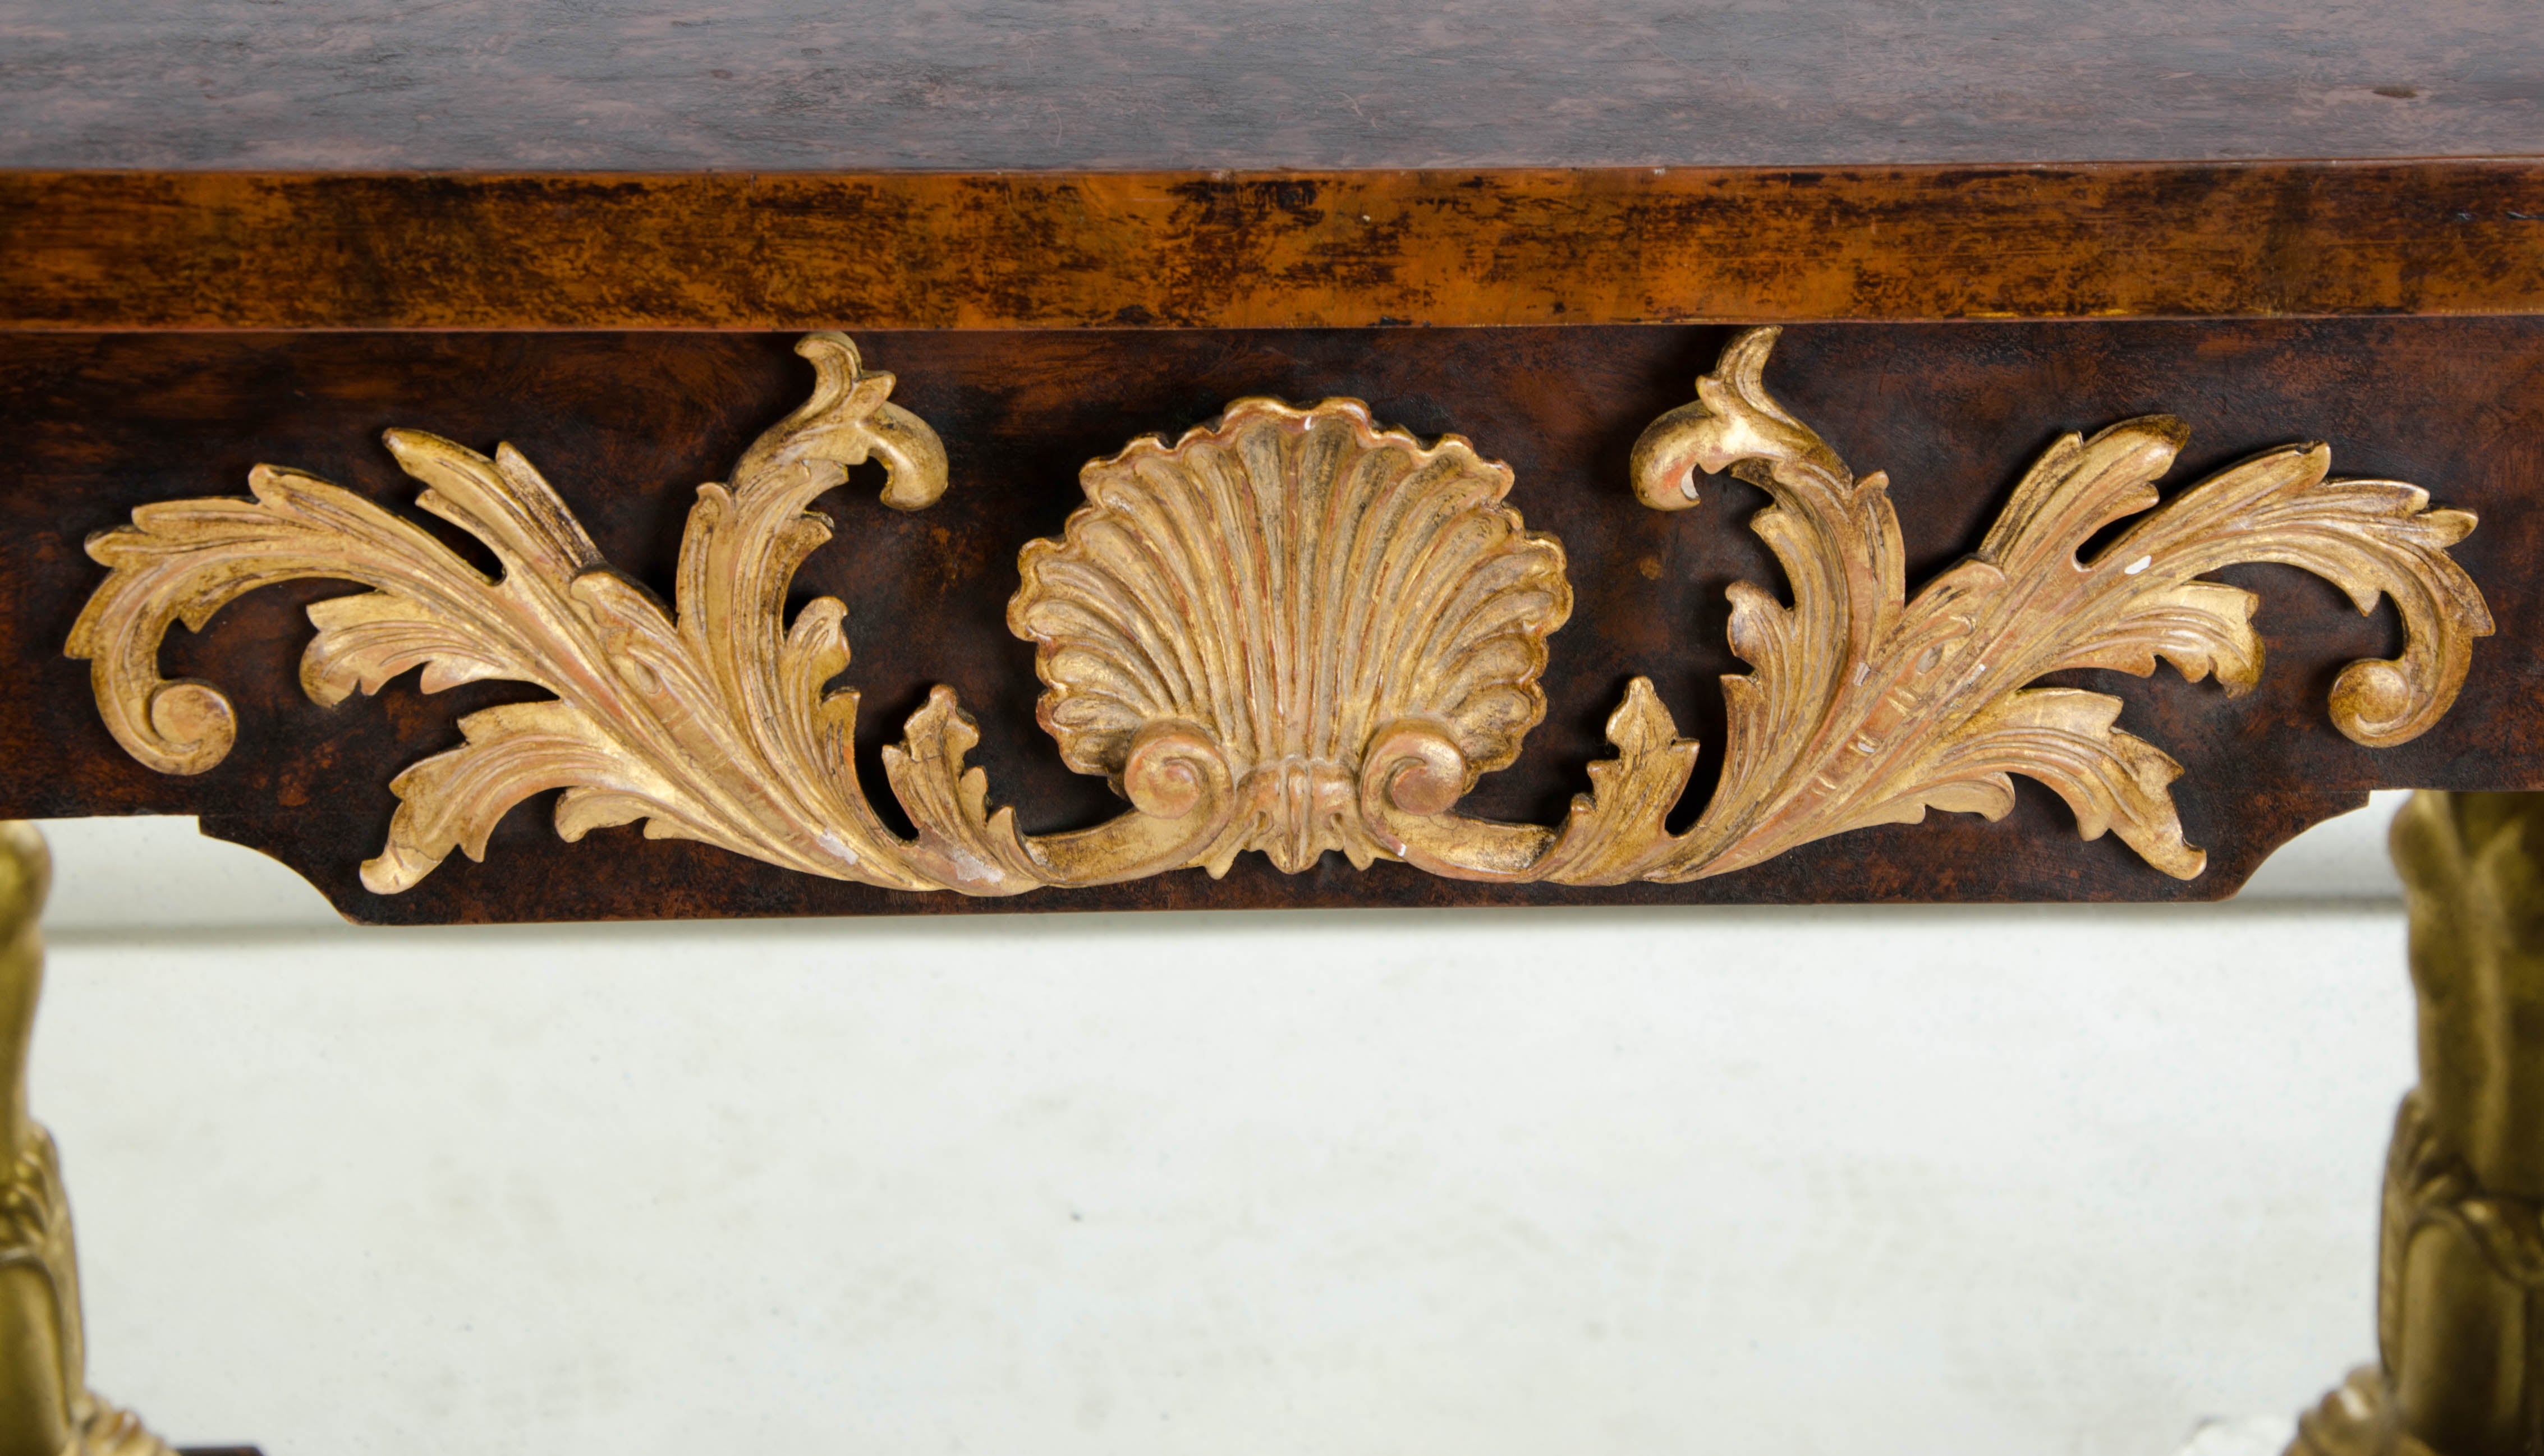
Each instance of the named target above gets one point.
<point>1293,632</point>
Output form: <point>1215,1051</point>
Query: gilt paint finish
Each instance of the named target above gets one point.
<point>46,1408</point>
<point>624,425</point>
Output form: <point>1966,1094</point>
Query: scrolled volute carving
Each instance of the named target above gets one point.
<point>1293,632</point>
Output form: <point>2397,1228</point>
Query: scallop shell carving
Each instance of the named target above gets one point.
<point>1289,583</point>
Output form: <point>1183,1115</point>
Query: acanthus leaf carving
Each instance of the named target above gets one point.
<point>1292,630</point>
<point>1868,707</point>
<point>707,722</point>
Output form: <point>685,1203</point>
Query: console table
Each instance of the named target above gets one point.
<point>1466,456</point>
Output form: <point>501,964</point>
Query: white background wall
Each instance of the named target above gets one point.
<point>2055,1181</point>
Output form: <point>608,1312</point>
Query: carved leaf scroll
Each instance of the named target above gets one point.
<point>1868,707</point>
<point>1291,631</point>
<point>706,720</point>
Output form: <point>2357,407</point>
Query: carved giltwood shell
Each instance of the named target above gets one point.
<point>1290,582</point>
<point>1291,631</point>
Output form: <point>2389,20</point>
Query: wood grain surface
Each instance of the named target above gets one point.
<point>939,251</point>
<point>755,85</point>
<point>625,425</point>
<point>220,250</point>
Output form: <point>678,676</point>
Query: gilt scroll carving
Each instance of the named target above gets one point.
<point>1294,631</point>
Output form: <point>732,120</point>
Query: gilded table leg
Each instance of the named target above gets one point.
<point>46,1407</point>
<point>2460,1277</point>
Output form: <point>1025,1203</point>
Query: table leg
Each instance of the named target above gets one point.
<point>2460,1276</point>
<point>45,1407</point>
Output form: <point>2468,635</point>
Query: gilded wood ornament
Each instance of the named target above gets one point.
<point>1292,586</point>
<point>1294,631</point>
<point>1868,707</point>
<point>2460,1263</point>
<point>45,1405</point>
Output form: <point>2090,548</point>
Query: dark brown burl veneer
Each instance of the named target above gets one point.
<point>625,425</point>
